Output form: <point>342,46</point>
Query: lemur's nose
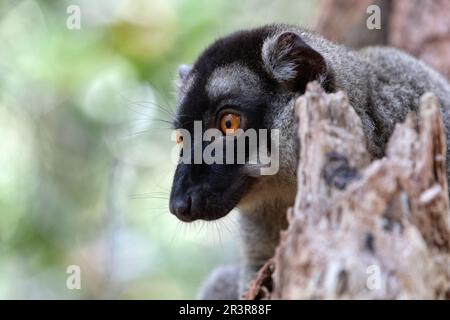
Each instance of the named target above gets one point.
<point>181,207</point>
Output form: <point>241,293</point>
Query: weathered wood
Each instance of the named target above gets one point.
<point>262,286</point>
<point>362,230</point>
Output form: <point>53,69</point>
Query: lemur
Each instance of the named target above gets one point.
<point>251,79</point>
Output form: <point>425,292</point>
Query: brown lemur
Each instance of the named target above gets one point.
<point>251,79</point>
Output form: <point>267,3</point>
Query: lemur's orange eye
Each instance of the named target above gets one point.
<point>229,123</point>
<point>178,138</point>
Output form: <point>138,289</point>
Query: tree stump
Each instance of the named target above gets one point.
<point>362,229</point>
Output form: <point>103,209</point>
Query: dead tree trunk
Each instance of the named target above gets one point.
<point>362,230</point>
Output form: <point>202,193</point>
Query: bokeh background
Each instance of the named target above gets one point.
<point>85,145</point>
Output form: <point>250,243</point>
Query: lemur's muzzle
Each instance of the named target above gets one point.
<point>180,206</point>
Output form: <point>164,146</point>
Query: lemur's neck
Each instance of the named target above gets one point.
<point>262,223</point>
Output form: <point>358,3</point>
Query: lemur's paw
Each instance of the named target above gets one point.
<point>222,284</point>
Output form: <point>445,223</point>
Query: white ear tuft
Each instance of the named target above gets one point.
<point>183,72</point>
<point>291,61</point>
<point>277,61</point>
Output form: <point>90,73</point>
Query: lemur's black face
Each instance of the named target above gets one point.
<point>237,83</point>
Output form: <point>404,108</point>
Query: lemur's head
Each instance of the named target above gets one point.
<point>245,80</point>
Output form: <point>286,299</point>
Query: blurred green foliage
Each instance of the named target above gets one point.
<point>85,145</point>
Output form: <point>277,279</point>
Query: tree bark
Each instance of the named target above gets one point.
<point>362,229</point>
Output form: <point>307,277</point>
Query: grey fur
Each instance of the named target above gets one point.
<point>383,85</point>
<point>232,80</point>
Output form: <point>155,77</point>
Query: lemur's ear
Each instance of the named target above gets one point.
<point>291,61</point>
<point>183,72</point>
<point>183,75</point>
